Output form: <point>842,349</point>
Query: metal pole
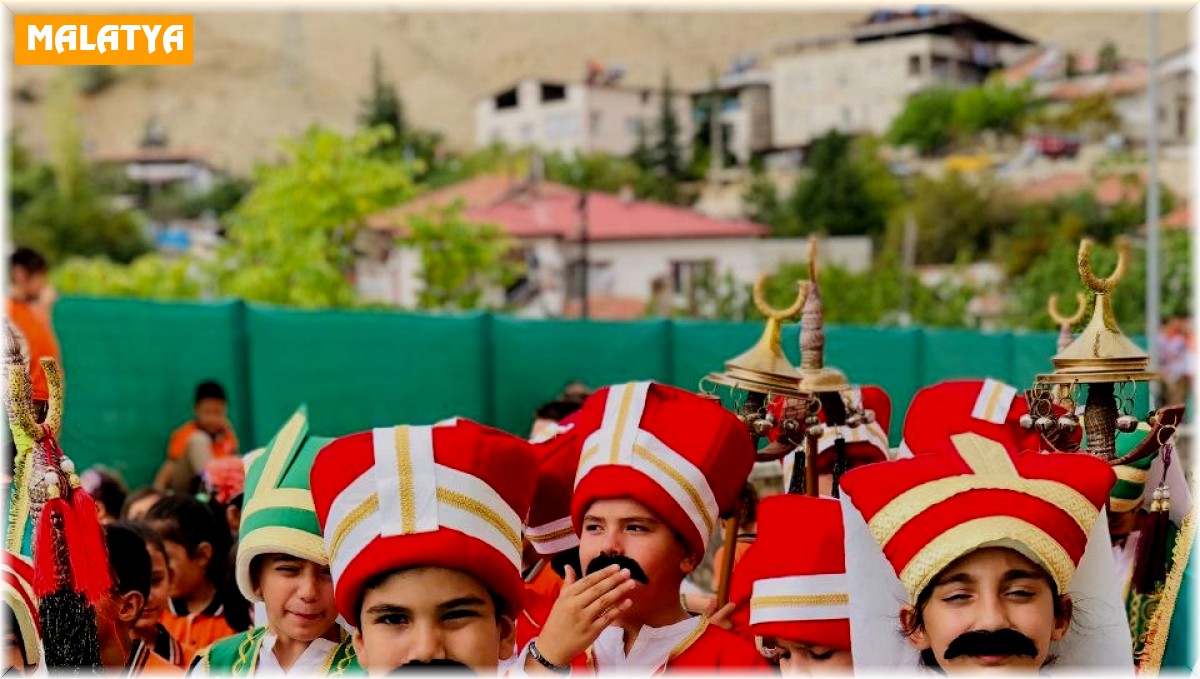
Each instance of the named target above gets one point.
<point>583,254</point>
<point>908,269</point>
<point>1153,285</point>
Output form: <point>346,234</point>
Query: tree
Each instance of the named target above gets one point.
<point>1056,272</point>
<point>461,261</point>
<point>872,297</point>
<point>925,121</point>
<point>956,218</point>
<point>383,107</point>
<point>1072,66</point>
<point>150,276</point>
<point>764,205</point>
<point>1107,59</point>
<point>993,107</point>
<point>292,238</point>
<point>668,154</point>
<point>836,196</point>
<point>57,208</point>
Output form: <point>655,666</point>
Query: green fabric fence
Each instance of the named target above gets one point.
<point>131,367</point>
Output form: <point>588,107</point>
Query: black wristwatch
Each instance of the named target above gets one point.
<point>557,669</point>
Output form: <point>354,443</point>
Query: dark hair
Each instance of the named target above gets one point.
<point>149,536</point>
<point>209,389</point>
<point>139,494</point>
<point>382,577</point>
<point>557,410</point>
<point>184,520</point>
<point>128,558</point>
<point>28,259</point>
<point>748,508</point>
<point>110,492</point>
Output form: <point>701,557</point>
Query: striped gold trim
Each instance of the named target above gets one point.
<point>285,441</point>
<point>551,536</point>
<point>275,540</point>
<point>1131,474</point>
<point>1158,631</point>
<point>349,521</point>
<point>989,410</point>
<point>993,470</point>
<point>971,535</point>
<point>688,640</point>
<point>280,498</point>
<point>408,511</point>
<point>1121,506</point>
<point>470,504</point>
<point>680,479</point>
<point>588,454</point>
<point>760,602</point>
<point>627,391</point>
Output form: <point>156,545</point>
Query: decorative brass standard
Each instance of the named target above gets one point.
<point>1100,358</point>
<point>1065,323</point>
<point>764,369</point>
<point>27,493</point>
<point>815,377</point>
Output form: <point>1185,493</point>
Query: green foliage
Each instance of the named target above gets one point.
<point>847,191</point>
<point>933,119</point>
<point>667,151</point>
<point>94,79</point>
<point>57,208</point>
<point>1056,272</point>
<point>764,205</point>
<point>460,260</point>
<point>383,107</point>
<point>150,276</point>
<point>175,202</point>
<point>291,238</point>
<point>1107,59</point>
<point>956,218</point>
<point>926,121</point>
<point>1094,113</point>
<point>992,107</point>
<point>1072,65</point>
<point>592,171</point>
<point>873,297</point>
<point>1042,226</point>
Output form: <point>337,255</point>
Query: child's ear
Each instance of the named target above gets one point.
<point>131,604</point>
<point>508,636</point>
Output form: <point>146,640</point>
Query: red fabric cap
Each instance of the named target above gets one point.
<point>936,507</point>
<point>696,428</point>
<point>938,412</point>
<point>500,460</point>
<point>558,459</point>
<point>797,536</point>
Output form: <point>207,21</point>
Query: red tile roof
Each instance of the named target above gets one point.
<point>1178,219</point>
<point>1109,190</point>
<point>607,308</point>
<point>552,211</point>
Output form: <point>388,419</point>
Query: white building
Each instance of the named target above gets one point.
<point>858,81</point>
<point>575,117</point>
<point>638,252</point>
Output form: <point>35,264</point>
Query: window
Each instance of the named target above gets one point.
<point>633,126</point>
<point>507,99</point>
<point>688,275</point>
<point>645,97</point>
<point>553,92</point>
<point>599,280</point>
<point>914,65</point>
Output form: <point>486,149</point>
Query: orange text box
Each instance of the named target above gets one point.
<point>102,39</point>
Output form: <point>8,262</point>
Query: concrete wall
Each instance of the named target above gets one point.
<point>858,87</point>
<point>589,119</point>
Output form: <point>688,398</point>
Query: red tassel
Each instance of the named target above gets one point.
<point>1150,563</point>
<point>89,556</point>
<point>55,525</point>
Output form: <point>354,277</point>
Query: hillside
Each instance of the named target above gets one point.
<point>261,76</point>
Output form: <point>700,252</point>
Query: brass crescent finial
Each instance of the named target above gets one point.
<point>54,385</point>
<point>760,300</point>
<point>1102,285</point>
<point>1059,318</point>
<point>812,258</point>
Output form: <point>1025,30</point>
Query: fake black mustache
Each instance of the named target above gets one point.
<point>999,642</point>
<point>605,560</point>
<point>440,665</point>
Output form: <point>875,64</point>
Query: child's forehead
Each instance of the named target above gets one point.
<point>620,508</point>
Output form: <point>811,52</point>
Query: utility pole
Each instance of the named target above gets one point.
<point>583,253</point>
<point>1153,285</point>
<point>717,162</point>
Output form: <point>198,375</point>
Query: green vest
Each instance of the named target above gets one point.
<point>237,656</point>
